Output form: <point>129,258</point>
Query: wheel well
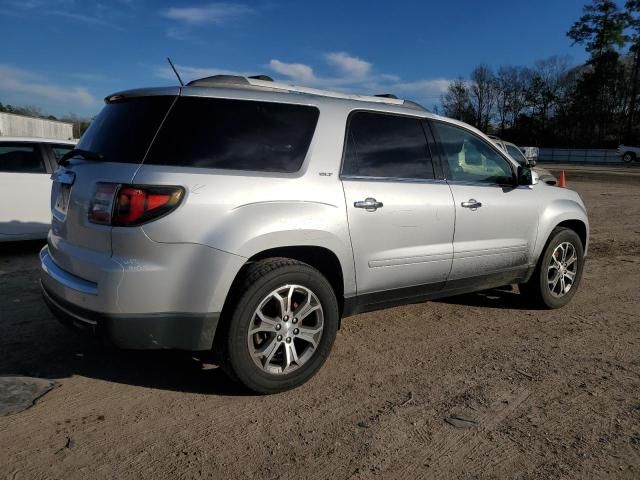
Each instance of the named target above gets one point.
<point>578,227</point>
<point>322,259</point>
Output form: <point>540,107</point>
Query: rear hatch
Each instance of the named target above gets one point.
<point>119,137</point>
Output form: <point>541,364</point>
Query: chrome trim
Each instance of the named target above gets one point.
<point>65,278</point>
<point>480,184</point>
<point>361,178</point>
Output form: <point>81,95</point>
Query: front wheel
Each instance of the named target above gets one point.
<point>627,157</point>
<point>283,325</point>
<point>559,271</point>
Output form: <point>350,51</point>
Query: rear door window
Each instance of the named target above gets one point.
<point>386,146</point>
<point>21,158</point>
<point>235,134</point>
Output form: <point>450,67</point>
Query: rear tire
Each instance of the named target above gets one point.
<point>559,271</point>
<point>269,350</point>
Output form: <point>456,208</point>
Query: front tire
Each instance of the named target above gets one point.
<point>283,326</point>
<point>628,157</point>
<point>559,271</point>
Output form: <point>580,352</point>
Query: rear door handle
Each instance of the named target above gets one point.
<point>473,204</point>
<point>369,204</point>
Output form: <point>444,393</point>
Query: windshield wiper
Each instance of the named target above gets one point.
<point>79,152</point>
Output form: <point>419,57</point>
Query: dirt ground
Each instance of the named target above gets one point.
<point>553,394</point>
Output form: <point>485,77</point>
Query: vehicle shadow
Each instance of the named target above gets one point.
<point>506,297</point>
<point>33,343</point>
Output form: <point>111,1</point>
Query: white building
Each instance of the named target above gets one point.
<point>12,125</point>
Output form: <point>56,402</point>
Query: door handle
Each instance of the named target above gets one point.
<point>369,204</point>
<point>473,204</point>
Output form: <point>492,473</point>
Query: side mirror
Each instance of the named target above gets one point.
<point>525,176</point>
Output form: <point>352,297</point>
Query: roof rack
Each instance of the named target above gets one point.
<point>386,95</point>
<point>266,82</point>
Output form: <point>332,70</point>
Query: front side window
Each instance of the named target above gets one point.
<point>21,158</point>
<point>470,158</point>
<point>387,146</point>
<point>235,134</point>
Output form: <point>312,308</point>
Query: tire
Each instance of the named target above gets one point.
<point>538,290</point>
<point>628,157</point>
<point>264,361</point>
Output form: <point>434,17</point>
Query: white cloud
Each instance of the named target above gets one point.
<point>348,65</point>
<point>29,88</point>
<point>88,13</point>
<point>211,14</point>
<point>91,20</point>
<point>427,88</point>
<point>298,72</point>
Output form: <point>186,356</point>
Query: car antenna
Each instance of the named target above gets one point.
<point>175,71</point>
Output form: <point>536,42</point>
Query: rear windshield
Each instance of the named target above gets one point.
<point>123,130</point>
<point>235,134</point>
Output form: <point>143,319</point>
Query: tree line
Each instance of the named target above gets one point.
<point>554,104</point>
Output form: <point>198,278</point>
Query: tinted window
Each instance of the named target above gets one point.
<point>21,157</point>
<point>517,155</point>
<point>470,158</point>
<point>387,146</point>
<point>60,150</point>
<point>235,134</point>
<point>123,130</point>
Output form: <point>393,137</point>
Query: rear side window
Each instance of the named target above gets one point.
<point>21,158</point>
<point>517,155</point>
<point>60,151</point>
<point>123,130</point>
<point>235,134</point>
<point>386,146</point>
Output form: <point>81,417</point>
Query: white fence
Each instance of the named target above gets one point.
<point>577,155</point>
<point>12,125</point>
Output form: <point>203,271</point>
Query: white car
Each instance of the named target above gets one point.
<point>629,153</point>
<point>517,154</point>
<point>26,165</point>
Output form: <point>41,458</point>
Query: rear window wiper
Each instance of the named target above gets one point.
<point>79,152</point>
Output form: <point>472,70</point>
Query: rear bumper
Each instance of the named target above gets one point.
<point>181,331</point>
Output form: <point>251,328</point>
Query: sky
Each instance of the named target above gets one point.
<point>65,56</point>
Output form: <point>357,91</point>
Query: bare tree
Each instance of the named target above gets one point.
<point>483,95</point>
<point>456,103</point>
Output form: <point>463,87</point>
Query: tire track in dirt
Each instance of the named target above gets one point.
<point>449,446</point>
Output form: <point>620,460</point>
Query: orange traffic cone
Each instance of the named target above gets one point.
<point>562,181</point>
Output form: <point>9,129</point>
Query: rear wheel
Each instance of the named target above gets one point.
<point>559,271</point>
<point>628,157</point>
<point>283,325</point>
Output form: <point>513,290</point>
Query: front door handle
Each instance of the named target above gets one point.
<point>473,204</point>
<point>369,204</point>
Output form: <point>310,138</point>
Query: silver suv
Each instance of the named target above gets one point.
<point>248,217</point>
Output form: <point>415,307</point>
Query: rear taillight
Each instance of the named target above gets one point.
<point>129,205</point>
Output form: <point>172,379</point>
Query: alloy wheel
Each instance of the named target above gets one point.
<point>562,269</point>
<point>285,329</point>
